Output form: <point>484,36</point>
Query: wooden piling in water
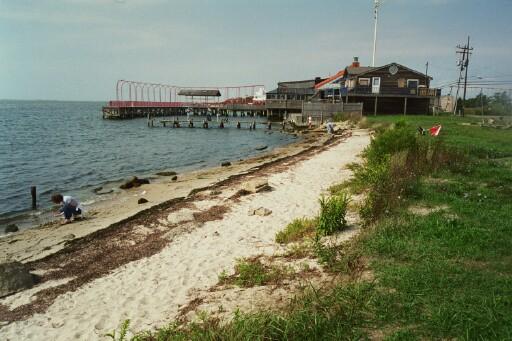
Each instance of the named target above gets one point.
<point>33,193</point>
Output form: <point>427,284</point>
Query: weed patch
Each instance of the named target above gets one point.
<point>297,230</point>
<point>251,272</point>
<point>333,210</point>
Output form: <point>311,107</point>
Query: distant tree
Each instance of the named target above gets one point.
<point>500,104</point>
<point>477,101</point>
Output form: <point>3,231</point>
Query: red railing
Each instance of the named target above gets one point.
<point>150,104</point>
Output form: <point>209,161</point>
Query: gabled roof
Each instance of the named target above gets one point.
<point>357,70</point>
<point>330,79</point>
<point>363,70</point>
<point>309,83</point>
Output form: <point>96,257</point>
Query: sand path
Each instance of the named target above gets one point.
<point>149,291</point>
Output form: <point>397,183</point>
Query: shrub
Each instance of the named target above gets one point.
<point>297,230</point>
<point>394,162</point>
<point>390,141</point>
<point>332,214</point>
<point>251,272</point>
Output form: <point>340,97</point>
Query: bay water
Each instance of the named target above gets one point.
<point>67,147</point>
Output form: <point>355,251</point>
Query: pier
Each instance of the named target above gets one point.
<point>140,99</point>
<point>205,124</point>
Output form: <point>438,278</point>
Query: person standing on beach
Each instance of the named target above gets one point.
<point>69,207</point>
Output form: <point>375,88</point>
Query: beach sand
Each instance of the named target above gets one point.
<point>149,266</point>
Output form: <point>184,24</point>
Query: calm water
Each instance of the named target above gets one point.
<point>68,147</point>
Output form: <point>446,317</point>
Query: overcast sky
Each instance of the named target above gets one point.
<point>77,49</point>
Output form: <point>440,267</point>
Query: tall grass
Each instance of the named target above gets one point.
<point>393,165</point>
<point>297,230</point>
<point>333,210</point>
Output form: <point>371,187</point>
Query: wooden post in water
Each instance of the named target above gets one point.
<point>33,193</point>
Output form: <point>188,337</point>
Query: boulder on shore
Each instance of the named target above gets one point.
<point>174,178</point>
<point>262,212</point>
<point>14,277</point>
<point>134,182</point>
<point>257,186</point>
<point>142,201</point>
<point>11,228</point>
<point>226,164</point>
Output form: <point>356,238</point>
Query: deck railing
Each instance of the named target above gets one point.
<point>367,90</point>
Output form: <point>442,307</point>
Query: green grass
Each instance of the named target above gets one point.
<point>443,275</point>
<point>250,272</point>
<point>297,230</point>
<point>478,141</point>
<point>333,210</point>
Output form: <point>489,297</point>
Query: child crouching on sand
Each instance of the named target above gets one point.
<point>70,207</point>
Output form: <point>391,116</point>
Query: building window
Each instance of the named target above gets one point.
<point>401,82</point>
<point>364,81</point>
<point>412,83</point>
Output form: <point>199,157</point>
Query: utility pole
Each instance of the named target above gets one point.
<point>426,76</point>
<point>465,52</point>
<point>376,5</point>
<point>482,101</point>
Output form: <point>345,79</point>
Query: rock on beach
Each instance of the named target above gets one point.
<point>134,182</point>
<point>14,277</point>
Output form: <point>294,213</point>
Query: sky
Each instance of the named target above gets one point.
<point>78,49</point>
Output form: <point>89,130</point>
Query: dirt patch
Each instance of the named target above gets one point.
<point>213,213</point>
<point>424,210</point>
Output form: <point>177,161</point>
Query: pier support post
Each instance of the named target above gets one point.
<point>33,193</point>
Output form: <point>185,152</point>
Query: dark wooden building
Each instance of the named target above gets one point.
<point>388,89</point>
<point>289,96</point>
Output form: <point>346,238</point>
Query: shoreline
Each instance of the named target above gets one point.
<point>152,264</point>
<point>46,238</point>
<point>91,200</point>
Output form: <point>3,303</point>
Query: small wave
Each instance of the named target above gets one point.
<point>88,202</point>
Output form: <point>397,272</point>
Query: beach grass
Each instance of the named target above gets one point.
<point>440,271</point>
<point>250,272</point>
<point>297,230</point>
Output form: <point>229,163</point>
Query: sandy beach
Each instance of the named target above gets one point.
<point>147,262</point>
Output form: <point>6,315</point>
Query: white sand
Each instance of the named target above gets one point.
<point>151,290</point>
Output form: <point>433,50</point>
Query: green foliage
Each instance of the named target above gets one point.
<point>297,230</point>
<point>391,141</point>
<point>393,163</point>
<point>223,276</point>
<point>123,331</point>
<point>443,275</point>
<point>251,272</point>
<point>338,314</point>
<point>462,134</point>
<point>498,104</point>
<point>333,210</point>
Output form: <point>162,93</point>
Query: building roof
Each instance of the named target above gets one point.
<point>199,92</point>
<point>309,83</point>
<point>337,76</point>
<point>296,91</point>
<point>358,71</point>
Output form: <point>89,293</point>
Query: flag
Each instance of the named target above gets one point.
<point>434,131</point>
